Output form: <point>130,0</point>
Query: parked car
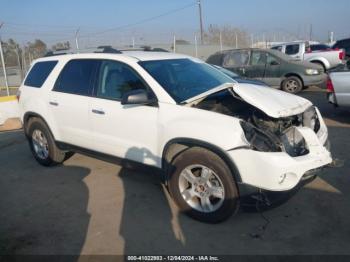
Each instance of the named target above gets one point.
<point>213,139</point>
<point>302,51</point>
<point>270,66</point>
<point>338,87</point>
<point>343,44</point>
<point>240,79</point>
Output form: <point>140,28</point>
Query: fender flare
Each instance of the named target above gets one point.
<point>213,148</point>
<point>319,59</point>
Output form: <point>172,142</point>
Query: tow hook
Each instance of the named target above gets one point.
<point>336,163</point>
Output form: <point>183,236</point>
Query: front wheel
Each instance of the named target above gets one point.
<point>292,85</point>
<point>203,186</point>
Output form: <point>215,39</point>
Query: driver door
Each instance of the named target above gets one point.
<point>125,131</point>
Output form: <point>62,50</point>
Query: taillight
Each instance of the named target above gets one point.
<point>330,87</point>
<point>342,55</point>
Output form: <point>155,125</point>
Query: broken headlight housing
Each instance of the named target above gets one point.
<point>260,140</point>
<point>310,119</point>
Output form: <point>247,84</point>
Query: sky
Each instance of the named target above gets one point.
<point>102,21</point>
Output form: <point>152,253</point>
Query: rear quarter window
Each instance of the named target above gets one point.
<point>39,73</point>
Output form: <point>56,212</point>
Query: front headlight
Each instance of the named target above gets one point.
<point>312,71</point>
<point>259,140</point>
<point>310,119</point>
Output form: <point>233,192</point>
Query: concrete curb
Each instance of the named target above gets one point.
<point>11,124</point>
<point>8,108</point>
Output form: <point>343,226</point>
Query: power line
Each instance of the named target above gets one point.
<point>141,21</point>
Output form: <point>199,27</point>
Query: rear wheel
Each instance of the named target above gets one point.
<point>292,85</point>
<point>203,186</point>
<point>42,144</point>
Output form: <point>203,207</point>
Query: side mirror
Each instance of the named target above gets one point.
<point>137,97</point>
<point>274,63</point>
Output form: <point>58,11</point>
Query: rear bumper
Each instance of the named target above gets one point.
<point>331,97</point>
<point>318,80</point>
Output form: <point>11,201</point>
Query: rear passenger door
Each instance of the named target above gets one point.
<point>125,131</point>
<point>69,102</point>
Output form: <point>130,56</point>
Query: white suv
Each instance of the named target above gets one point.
<point>212,137</point>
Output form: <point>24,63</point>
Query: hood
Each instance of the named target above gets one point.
<point>274,103</point>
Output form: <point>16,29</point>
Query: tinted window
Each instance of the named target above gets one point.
<point>279,48</point>
<point>215,59</point>
<point>114,79</point>
<point>292,49</point>
<point>39,73</point>
<point>319,47</point>
<point>258,58</point>
<point>76,77</point>
<point>185,78</point>
<point>271,60</point>
<point>236,59</point>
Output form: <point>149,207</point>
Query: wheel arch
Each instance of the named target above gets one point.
<point>29,115</point>
<point>176,146</point>
<point>295,75</point>
<point>320,60</point>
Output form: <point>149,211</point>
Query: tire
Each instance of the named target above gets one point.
<point>198,161</point>
<point>42,144</point>
<point>292,85</point>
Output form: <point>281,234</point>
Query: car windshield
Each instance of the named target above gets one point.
<point>281,55</point>
<point>185,78</point>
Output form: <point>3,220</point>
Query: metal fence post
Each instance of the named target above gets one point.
<point>4,68</point>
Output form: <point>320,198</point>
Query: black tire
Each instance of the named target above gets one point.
<point>292,84</point>
<point>201,156</point>
<point>55,155</point>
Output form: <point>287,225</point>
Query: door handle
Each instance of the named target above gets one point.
<point>98,112</point>
<point>53,103</point>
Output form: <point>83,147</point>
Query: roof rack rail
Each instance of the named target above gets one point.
<point>107,49</point>
<point>56,53</point>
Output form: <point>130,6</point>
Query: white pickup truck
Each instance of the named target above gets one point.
<point>302,51</point>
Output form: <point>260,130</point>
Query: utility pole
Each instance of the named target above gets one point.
<point>3,64</point>
<point>195,45</point>
<point>76,39</point>
<point>236,40</point>
<point>310,36</point>
<point>200,20</point>
<point>220,41</point>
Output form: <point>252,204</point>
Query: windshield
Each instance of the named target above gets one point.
<point>185,78</point>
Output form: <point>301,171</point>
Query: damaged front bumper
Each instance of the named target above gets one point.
<point>278,171</point>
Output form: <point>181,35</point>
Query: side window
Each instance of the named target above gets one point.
<point>115,79</point>
<point>279,48</point>
<point>39,73</point>
<point>76,77</point>
<point>272,60</point>
<point>236,59</point>
<point>215,59</point>
<point>292,49</point>
<point>258,58</point>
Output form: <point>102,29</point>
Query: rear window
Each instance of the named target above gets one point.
<point>76,77</point>
<point>39,73</point>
